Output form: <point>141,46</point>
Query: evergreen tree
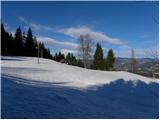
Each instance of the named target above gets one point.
<point>49,54</point>
<point>4,40</point>
<point>71,59</point>
<point>18,42</point>
<point>11,45</point>
<point>23,45</point>
<point>98,62</point>
<point>29,45</point>
<point>110,60</point>
<point>23,39</point>
<point>35,47</point>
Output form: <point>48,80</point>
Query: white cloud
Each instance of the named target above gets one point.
<point>22,19</point>
<point>66,51</point>
<point>76,32</point>
<point>40,27</point>
<point>35,26</point>
<point>83,30</point>
<point>58,44</point>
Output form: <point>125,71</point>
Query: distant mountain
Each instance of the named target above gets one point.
<point>145,65</point>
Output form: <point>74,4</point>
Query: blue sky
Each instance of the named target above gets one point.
<point>117,25</point>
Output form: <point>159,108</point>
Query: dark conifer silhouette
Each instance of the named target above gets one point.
<point>98,62</point>
<point>18,42</point>
<point>29,45</point>
<point>109,60</point>
<point>22,45</point>
<point>71,59</point>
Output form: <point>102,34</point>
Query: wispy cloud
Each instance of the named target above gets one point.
<point>61,45</point>
<point>35,26</point>
<point>41,27</point>
<point>75,32</point>
<point>123,49</point>
<point>66,51</point>
<point>22,19</point>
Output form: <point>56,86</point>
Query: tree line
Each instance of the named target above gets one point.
<point>20,44</point>
<point>101,63</point>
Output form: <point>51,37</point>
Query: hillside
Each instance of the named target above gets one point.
<point>57,90</point>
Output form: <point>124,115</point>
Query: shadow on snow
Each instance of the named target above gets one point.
<point>119,99</point>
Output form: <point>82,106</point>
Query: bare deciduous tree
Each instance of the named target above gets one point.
<point>134,64</point>
<point>85,48</point>
<point>153,53</point>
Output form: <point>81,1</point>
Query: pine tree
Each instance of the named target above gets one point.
<point>18,42</point>
<point>71,59</point>
<point>11,45</point>
<point>29,45</point>
<point>5,40</point>
<point>35,47</point>
<point>23,39</point>
<point>49,54</point>
<point>98,62</point>
<point>68,58</point>
<point>109,60</point>
<point>22,45</point>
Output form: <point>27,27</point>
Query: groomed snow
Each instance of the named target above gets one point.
<point>67,75</point>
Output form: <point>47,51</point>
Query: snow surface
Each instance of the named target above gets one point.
<point>51,71</point>
<point>55,90</point>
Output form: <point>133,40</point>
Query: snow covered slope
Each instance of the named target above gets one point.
<point>51,71</point>
<point>55,90</point>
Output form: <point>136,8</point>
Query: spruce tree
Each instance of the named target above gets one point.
<point>29,45</point>
<point>35,47</point>
<point>109,60</point>
<point>5,40</point>
<point>11,45</point>
<point>98,62</point>
<point>18,42</point>
<point>22,45</point>
<point>71,59</point>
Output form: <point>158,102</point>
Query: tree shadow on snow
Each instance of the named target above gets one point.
<point>119,99</point>
<point>17,58</point>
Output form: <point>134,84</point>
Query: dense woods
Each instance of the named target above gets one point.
<point>22,45</point>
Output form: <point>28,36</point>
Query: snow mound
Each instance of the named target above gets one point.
<point>49,71</point>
